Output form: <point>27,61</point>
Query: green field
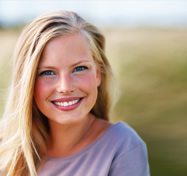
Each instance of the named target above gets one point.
<point>151,70</point>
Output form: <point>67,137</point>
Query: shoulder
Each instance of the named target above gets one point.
<point>125,135</point>
<point>124,139</point>
<point>130,151</point>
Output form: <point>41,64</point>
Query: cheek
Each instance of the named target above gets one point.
<point>88,81</point>
<point>41,88</point>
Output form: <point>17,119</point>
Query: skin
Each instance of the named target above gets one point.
<point>65,92</point>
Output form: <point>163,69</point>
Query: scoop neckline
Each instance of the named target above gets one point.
<point>86,149</point>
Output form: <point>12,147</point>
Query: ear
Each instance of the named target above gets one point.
<point>98,76</point>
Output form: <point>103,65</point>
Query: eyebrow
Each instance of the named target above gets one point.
<point>73,65</point>
<point>80,62</point>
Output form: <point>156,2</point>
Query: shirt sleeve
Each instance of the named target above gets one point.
<point>132,163</point>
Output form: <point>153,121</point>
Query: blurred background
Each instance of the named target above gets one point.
<point>146,43</point>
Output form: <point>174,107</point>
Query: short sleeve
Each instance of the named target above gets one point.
<point>132,163</point>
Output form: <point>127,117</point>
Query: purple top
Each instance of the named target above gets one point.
<point>118,152</point>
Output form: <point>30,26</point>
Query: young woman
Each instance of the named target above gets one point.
<point>56,117</point>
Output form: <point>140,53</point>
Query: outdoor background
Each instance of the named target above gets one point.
<point>146,43</point>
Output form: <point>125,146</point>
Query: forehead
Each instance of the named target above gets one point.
<point>68,39</point>
<point>66,47</point>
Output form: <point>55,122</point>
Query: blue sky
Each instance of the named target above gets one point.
<point>103,12</point>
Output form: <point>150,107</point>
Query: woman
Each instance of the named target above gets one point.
<point>56,117</point>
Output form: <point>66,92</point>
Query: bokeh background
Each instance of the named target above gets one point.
<point>146,43</point>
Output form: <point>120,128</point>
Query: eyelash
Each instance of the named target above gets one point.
<point>47,72</point>
<point>80,68</point>
<point>77,69</point>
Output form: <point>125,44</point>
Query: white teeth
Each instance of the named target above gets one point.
<point>66,103</point>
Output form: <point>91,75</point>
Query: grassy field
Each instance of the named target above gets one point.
<point>151,70</point>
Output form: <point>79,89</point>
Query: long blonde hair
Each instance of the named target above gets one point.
<point>23,137</point>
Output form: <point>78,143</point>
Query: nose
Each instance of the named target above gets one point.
<point>65,84</point>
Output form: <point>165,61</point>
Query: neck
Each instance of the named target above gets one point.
<point>67,139</point>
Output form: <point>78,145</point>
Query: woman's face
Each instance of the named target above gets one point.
<point>67,79</point>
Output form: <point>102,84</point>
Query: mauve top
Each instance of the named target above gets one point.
<point>118,152</point>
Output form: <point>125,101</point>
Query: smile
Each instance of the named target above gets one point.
<point>64,104</point>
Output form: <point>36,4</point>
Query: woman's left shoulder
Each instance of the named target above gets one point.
<point>124,135</point>
<point>131,156</point>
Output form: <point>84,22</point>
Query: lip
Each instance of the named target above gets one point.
<point>70,107</point>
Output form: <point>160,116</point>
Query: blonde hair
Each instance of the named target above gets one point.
<point>25,127</point>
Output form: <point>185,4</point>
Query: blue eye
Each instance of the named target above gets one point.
<point>80,68</point>
<point>47,72</point>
